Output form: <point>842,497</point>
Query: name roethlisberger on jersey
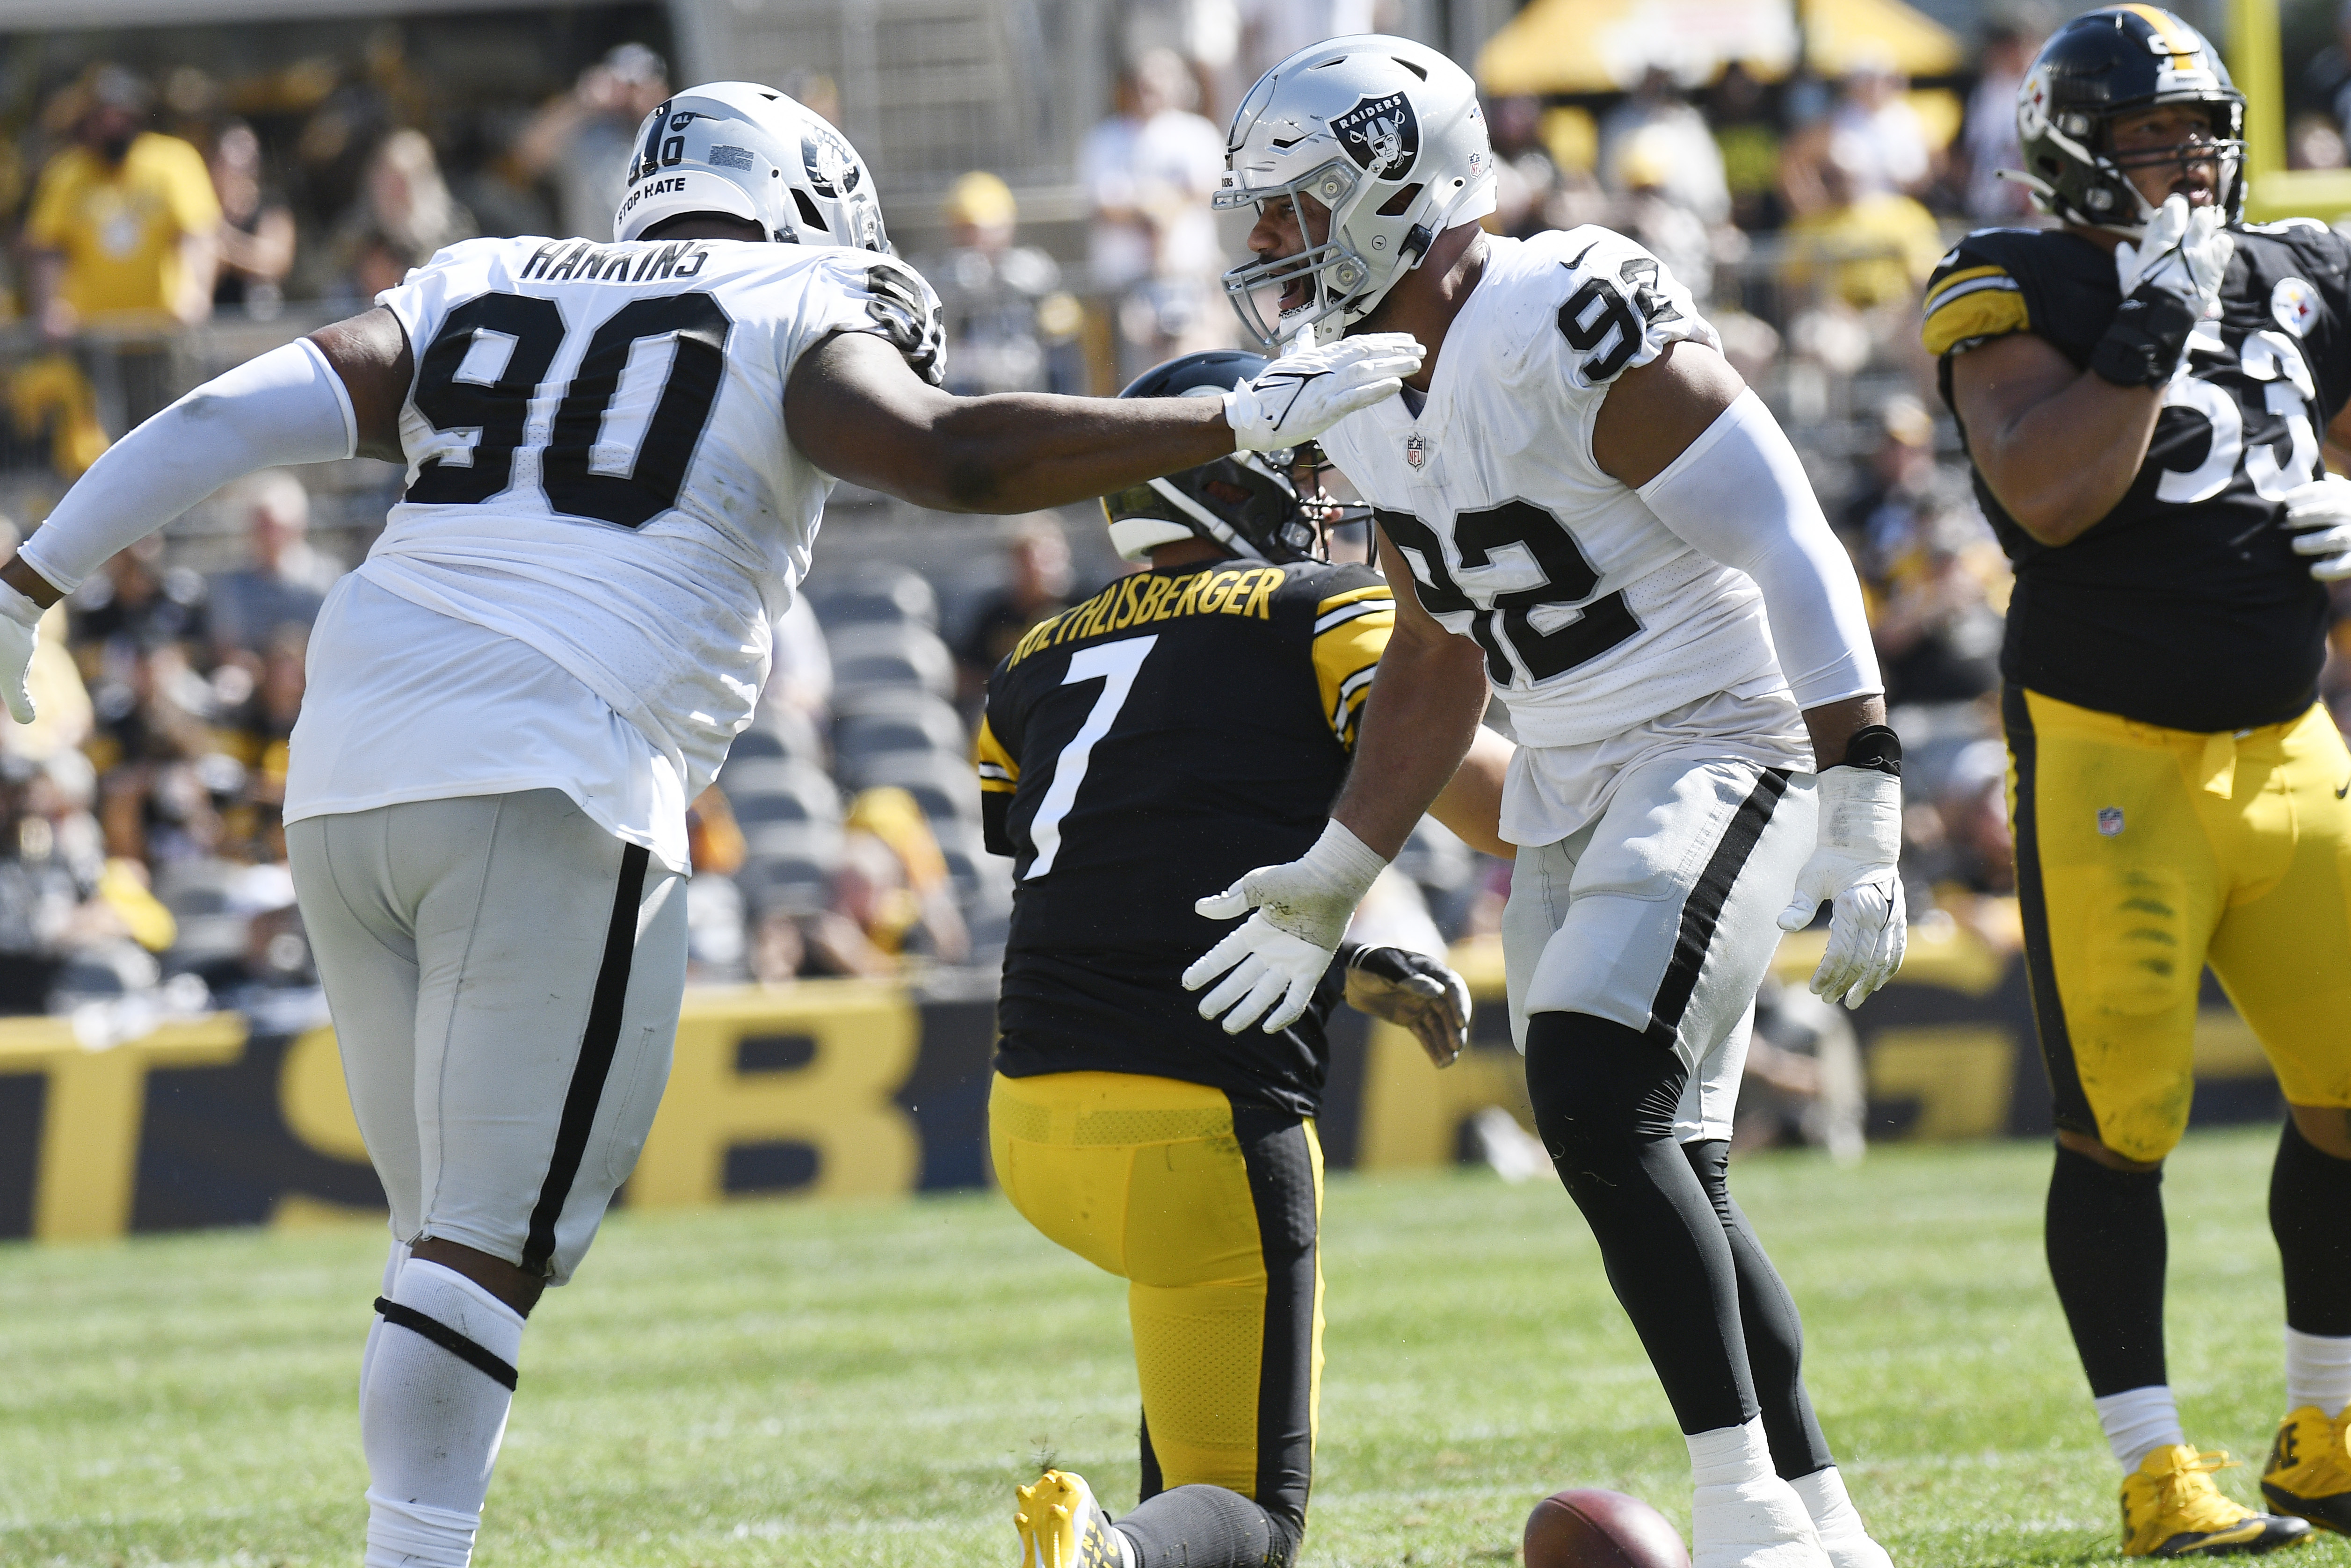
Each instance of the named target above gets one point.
<point>635,261</point>
<point>1144,596</point>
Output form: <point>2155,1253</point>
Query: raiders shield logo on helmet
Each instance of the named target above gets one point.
<point>1381,134</point>
<point>831,166</point>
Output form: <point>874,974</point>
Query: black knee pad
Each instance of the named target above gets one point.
<point>1202,1526</point>
<point>1600,1091</point>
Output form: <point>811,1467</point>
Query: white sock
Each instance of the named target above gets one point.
<point>1827,1501</point>
<point>2317,1372</point>
<point>391,1267</point>
<point>1728,1455</point>
<point>2138,1421</point>
<point>430,1420</point>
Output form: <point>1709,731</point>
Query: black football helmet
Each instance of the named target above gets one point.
<point>2108,63</point>
<point>1263,506</point>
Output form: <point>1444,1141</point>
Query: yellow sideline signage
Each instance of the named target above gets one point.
<point>853,1089</point>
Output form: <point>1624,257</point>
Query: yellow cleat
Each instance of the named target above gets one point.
<point>2171,1508</point>
<point>1062,1525</point>
<point>2309,1472</point>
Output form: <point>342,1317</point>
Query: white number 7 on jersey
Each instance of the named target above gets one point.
<point>1115,664</point>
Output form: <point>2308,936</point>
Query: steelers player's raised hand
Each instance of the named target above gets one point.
<point>1280,954</point>
<point>2318,515</point>
<point>1304,393</point>
<point>20,623</point>
<point>2184,252</point>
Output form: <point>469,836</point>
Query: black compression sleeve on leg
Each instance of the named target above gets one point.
<point>1767,1313</point>
<point>1207,1527</point>
<point>2106,1246</point>
<point>1603,1098</point>
<point>2310,1214</point>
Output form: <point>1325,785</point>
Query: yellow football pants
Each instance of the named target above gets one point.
<point>2144,854</point>
<point>1209,1210</point>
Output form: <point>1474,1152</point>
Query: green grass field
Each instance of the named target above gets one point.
<point>777,1384</point>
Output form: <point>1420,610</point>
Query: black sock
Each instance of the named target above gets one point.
<point>1604,1099</point>
<point>2106,1246</point>
<point>2310,1214</point>
<point>1208,1527</point>
<point>1775,1334</point>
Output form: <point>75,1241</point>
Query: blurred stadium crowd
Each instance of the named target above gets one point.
<point>163,224</point>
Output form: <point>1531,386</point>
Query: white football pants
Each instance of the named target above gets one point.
<point>504,977</point>
<point>1661,914</point>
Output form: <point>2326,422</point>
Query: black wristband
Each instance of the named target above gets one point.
<point>1875,747</point>
<point>2142,344</point>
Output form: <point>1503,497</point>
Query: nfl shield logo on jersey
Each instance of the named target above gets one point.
<point>2110,821</point>
<point>1416,452</point>
<point>2294,305</point>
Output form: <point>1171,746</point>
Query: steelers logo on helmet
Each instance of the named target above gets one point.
<point>832,167</point>
<point>2032,104</point>
<point>1382,135</point>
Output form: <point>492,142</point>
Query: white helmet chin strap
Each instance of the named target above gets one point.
<point>1217,527</point>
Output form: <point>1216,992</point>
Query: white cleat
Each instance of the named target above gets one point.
<point>1758,1523</point>
<point>1842,1535</point>
<point>1854,1551</point>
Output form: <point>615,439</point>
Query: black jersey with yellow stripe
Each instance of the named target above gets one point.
<point>2185,606</point>
<point>1140,751</point>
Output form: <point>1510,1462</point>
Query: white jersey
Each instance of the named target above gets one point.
<point>598,470</point>
<point>1594,617</point>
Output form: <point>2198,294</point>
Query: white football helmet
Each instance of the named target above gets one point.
<point>751,153</point>
<point>1385,133</point>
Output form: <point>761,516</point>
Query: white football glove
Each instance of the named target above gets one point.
<point>2185,253</point>
<point>1305,392</point>
<point>2318,515</point>
<point>20,629</point>
<point>1853,866</point>
<point>1280,954</point>
<point>1416,991</point>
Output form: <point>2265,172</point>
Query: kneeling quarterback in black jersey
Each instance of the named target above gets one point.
<point>1139,752</point>
<point>2143,392</point>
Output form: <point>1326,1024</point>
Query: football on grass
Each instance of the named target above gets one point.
<point>1595,1529</point>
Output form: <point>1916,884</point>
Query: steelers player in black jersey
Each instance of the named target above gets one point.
<point>1139,752</point>
<point>2143,391</point>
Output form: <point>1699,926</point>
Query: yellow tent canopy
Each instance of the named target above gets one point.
<point>1605,45</point>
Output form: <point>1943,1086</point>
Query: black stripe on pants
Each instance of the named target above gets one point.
<point>598,1043</point>
<point>2071,1101</point>
<point>1281,1186</point>
<point>1703,908</point>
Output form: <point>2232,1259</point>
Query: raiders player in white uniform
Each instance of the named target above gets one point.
<point>617,458</point>
<point>1603,523</point>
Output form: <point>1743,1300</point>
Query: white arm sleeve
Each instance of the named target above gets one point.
<point>288,406</point>
<point>1739,492</point>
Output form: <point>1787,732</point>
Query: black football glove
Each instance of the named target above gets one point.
<point>1415,992</point>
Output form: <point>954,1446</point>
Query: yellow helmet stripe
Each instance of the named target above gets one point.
<point>2180,45</point>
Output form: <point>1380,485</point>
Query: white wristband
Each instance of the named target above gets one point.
<point>19,608</point>
<point>1861,813</point>
<point>1352,865</point>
